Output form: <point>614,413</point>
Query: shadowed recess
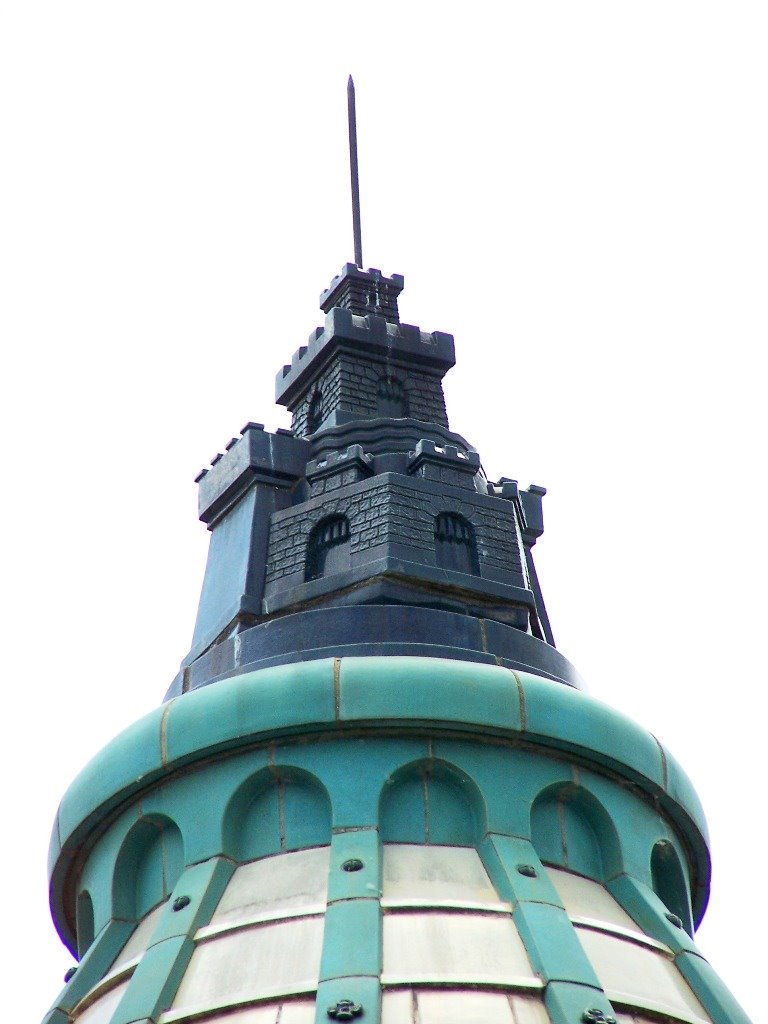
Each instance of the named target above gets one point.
<point>431,802</point>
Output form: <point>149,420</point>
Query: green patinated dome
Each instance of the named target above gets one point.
<point>474,842</point>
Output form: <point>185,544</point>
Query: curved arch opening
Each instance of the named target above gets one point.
<point>84,922</point>
<point>572,830</point>
<point>391,398</point>
<point>278,809</point>
<point>328,548</point>
<point>455,545</point>
<point>315,412</point>
<point>669,882</point>
<point>148,866</point>
<point>433,803</point>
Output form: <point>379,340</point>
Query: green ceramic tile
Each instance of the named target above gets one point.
<point>122,766</point>
<point>203,884</point>
<point>352,940</point>
<point>155,980</point>
<point>253,704</point>
<point>552,944</point>
<point>56,1016</point>
<point>646,909</point>
<point>503,856</point>
<point>95,964</point>
<point>352,848</point>
<point>567,1002</point>
<point>712,993</point>
<point>569,719</point>
<point>363,991</point>
<point>428,689</point>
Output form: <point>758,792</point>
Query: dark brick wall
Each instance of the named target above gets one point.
<point>393,509</point>
<point>351,385</point>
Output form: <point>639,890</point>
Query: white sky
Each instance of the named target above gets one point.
<point>576,190</point>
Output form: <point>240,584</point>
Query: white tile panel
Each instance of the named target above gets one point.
<point>300,1011</point>
<point>101,1011</point>
<point>436,876</point>
<point>457,1006</point>
<point>297,1011</point>
<point>461,947</point>
<point>397,1006</point>
<point>288,883</point>
<point>632,974</point>
<point>140,938</point>
<point>583,898</point>
<point>258,962</point>
<point>528,1009</point>
<point>446,1006</point>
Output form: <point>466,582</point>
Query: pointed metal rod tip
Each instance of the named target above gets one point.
<point>352,118</point>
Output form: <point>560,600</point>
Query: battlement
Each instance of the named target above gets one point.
<point>363,292</point>
<point>256,456</point>
<point>369,335</point>
<point>448,464</point>
<point>335,469</point>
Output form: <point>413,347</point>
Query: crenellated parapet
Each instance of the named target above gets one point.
<point>376,503</point>
<point>363,365</point>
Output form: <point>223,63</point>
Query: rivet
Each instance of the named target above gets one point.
<point>528,870</point>
<point>70,974</point>
<point>345,1009</point>
<point>597,1016</point>
<point>353,864</point>
<point>674,919</point>
<point>180,902</point>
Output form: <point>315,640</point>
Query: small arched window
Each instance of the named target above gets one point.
<point>315,412</point>
<point>669,882</point>
<point>328,548</point>
<point>455,546</point>
<point>84,922</point>
<point>391,399</point>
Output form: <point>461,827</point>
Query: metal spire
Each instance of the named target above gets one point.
<point>353,172</point>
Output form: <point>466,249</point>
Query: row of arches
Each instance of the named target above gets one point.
<point>329,546</point>
<point>429,801</point>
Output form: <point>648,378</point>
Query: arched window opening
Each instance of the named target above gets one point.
<point>328,548</point>
<point>455,546</point>
<point>669,883</point>
<point>148,866</point>
<point>431,803</point>
<point>280,809</point>
<point>315,412</point>
<point>391,399</point>
<point>84,922</point>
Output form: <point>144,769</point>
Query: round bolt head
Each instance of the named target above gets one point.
<point>595,1015</point>
<point>674,919</point>
<point>353,864</point>
<point>528,870</point>
<point>345,1009</point>
<point>70,974</point>
<point>180,902</point>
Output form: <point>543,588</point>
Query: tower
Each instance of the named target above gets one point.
<point>376,789</point>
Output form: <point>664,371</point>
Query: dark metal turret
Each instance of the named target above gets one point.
<point>369,527</point>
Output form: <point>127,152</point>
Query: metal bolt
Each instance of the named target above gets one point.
<point>70,974</point>
<point>345,1009</point>
<point>353,864</point>
<point>180,902</point>
<point>674,919</point>
<point>597,1016</point>
<point>528,870</point>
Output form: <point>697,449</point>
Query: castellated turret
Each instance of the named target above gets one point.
<point>376,790</point>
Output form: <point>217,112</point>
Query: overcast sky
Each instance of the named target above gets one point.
<point>576,190</point>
